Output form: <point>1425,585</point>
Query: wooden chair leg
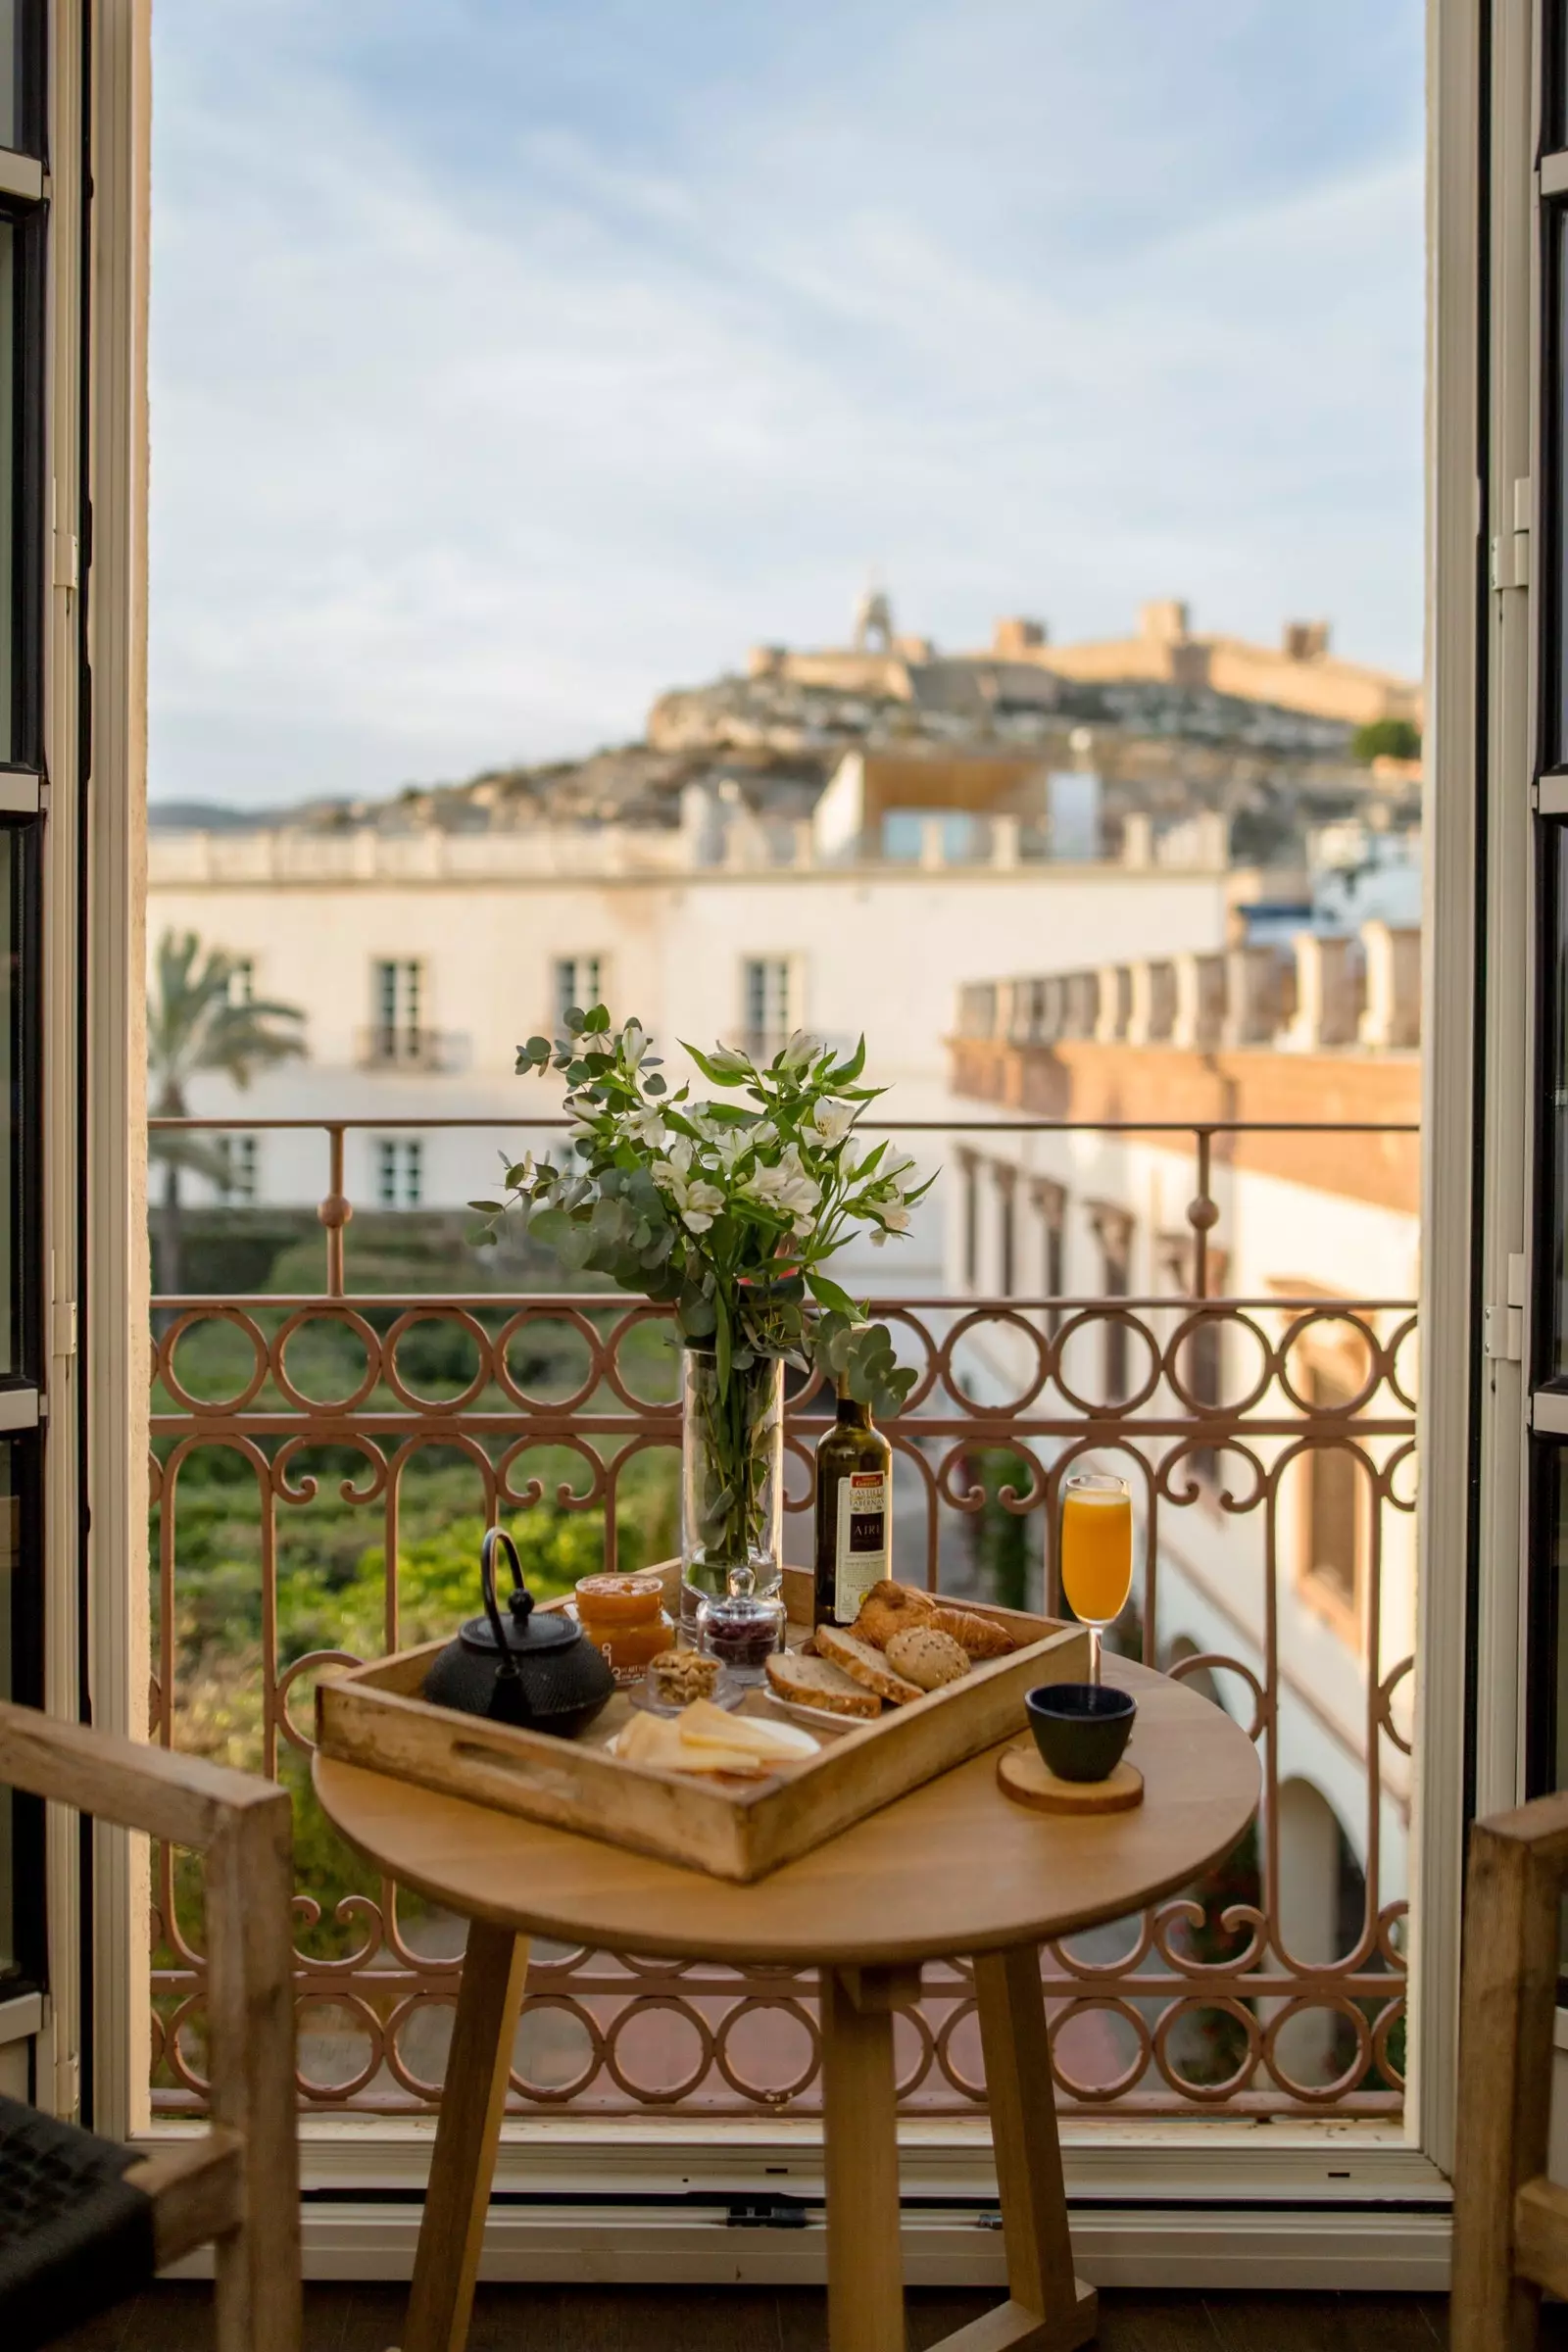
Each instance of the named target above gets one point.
<point>250,1883</point>
<point>1507,1997</point>
<point>473,2097</point>
<point>865,2266</point>
<point>1016,2043</point>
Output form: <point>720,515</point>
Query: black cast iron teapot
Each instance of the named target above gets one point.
<point>541,1672</point>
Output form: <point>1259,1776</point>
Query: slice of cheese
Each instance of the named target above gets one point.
<point>656,1741</point>
<point>649,1739</point>
<point>704,1726</point>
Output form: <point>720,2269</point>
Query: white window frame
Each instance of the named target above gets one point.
<point>239,1186</point>
<point>399,1005</point>
<point>577,982</point>
<point>764,1036</point>
<point>399,1164</point>
<point>1374,2169</point>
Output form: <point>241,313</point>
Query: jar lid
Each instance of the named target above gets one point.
<point>606,1585</point>
<point>743,1604</point>
<point>610,1600</point>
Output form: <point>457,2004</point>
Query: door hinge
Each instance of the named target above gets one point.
<point>1510,550</point>
<point>65,564</point>
<point>62,1335</point>
<point>1504,1325</point>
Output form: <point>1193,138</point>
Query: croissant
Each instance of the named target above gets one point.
<point>888,1609</point>
<point>980,1636</point>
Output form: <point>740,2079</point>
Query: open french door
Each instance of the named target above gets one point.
<point>72,110</point>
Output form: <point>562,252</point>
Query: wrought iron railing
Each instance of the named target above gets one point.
<point>377,1414</point>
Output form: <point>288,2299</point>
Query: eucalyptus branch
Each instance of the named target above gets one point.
<point>726,1209</point>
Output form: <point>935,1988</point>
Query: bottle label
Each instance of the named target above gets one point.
<point>861,1553</point>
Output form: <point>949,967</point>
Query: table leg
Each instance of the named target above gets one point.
<point>473,2096</point>
<point>864,2270</point>
<point>1048,2307</point>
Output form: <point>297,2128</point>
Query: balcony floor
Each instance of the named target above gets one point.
<point>549,2319</point>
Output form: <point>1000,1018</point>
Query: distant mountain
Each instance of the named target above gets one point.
<point>222,817</point>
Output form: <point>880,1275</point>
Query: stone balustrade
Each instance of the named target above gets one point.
<point>1362,990</point>
<point>714,835</point>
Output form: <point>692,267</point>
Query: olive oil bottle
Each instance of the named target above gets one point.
<point>853,1512</point>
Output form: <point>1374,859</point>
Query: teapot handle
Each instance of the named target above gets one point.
<point>494,1538</point>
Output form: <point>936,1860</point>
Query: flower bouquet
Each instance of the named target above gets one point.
<point>728,1211</point>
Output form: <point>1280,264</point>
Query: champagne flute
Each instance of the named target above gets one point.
<point>1096,1553</point>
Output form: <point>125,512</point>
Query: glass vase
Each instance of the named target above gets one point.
<point>732,1478</point>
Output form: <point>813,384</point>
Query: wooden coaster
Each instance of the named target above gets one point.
<point>1023,1775</point>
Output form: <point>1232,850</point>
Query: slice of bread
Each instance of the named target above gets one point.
<point>811,1682</point>
<point>865,1665</point>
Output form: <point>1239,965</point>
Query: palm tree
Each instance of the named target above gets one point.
<point>194,1023</point>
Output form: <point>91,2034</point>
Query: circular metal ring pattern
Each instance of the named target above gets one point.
<point>1208,1445</point>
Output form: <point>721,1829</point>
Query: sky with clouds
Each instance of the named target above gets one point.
<point>515,359</point>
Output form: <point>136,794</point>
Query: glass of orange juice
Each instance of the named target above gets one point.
<point>1096,1551</point>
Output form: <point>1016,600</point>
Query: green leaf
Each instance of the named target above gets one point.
<point>654,1085</point>
<point>490,1208</point>
<point>828,1293</point>
<point>576,1248</point>
<point>576,1017</point>
<point>723,1067</point>
<point>848,1071</point>
<point>537,1050</point>
<point>696,1317</point>
<point>548,1225</point>
<point>484,1237</point>
<point>722,1341</point>
<point>598,1017</point>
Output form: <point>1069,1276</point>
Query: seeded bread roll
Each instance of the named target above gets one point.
<point>925,1657</point>
<point>813,1682</point>
<point>865,1665</point>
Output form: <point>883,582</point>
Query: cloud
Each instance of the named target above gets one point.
<point>479,420</point>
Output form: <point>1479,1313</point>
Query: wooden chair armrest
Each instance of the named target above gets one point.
<point>181,1798</point>
<point>240,2185</point>
<point>1540,1825</point>
<point>197,2188</point>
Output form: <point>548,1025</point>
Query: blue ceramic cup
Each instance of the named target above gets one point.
<point>1081,1729</point>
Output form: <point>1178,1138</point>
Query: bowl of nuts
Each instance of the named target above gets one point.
<point>675,1678</point>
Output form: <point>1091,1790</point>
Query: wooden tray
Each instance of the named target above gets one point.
<point>373,1715</point>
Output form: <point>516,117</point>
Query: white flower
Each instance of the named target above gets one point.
<point>895,1218</point>
<point>895,1169</point>
<point>832,1120</point>
<point>681,1153</point>
<point>727,1144</point>
<point>699,1203</point>
<point>584,1107</point>
<point>646,1127</point>
<point>801,1051</point>
<point>787,1186</point>
<point>633,1044</point>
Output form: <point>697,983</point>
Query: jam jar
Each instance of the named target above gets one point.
<point>625,1619</point>
<point>741,1628</point>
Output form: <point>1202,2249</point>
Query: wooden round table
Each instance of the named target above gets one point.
<point>953,1869</point>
